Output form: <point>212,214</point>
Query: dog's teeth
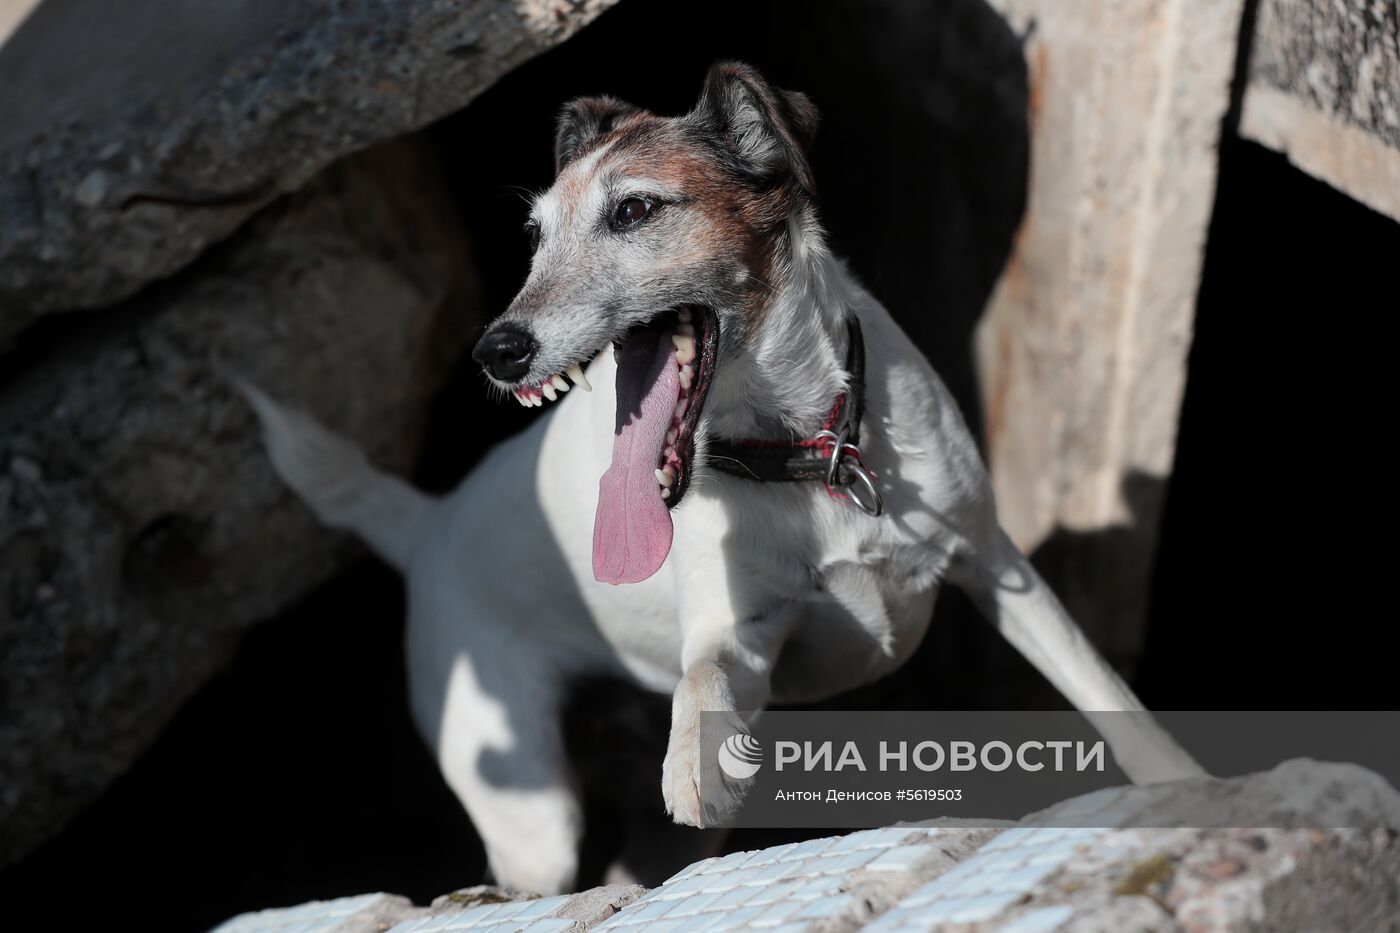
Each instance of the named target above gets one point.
<point>537,400</point>
<point>669,453</point>
<point>687,330</point>
<point>665,492</point>
<point>671,436</point>
<point>680,409</point>
<point>665,476</point>
<point>549,391</point>
<point>685,348</point>
<point>575,372</point>
<point>687,376</point>
<point>559,382</point>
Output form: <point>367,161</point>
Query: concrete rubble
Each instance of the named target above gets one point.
<point>1082,352</point>
<point>1265,867</point>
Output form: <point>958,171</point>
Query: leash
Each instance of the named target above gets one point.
<point>831,456</point>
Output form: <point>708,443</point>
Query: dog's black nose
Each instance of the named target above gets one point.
<point>506,352</point>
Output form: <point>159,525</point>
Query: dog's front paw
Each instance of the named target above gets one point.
<point>680,778</point>
<point>695,790</point>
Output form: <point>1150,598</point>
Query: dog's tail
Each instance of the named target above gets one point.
<point>336,480</point>
<point>1014,598</point>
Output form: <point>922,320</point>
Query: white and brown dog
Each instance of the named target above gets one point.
<point>741,351</point>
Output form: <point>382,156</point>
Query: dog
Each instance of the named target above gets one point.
<point>751,494</point>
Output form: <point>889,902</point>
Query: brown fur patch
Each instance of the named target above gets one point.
<point>742,222</point>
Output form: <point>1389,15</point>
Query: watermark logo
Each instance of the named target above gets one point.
<point>740,756</point>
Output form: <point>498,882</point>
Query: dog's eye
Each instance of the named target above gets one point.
<point>631,210</point>
<point>533,231</point>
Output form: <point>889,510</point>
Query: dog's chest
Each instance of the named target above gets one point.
<point>855,586</point>
<point>863,616</point>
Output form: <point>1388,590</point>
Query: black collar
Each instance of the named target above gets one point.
<point>832,456</point>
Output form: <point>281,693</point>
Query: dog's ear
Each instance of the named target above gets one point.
<point>767,129</point>
<point>583,118</point>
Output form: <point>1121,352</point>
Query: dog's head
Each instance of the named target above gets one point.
<point>663,237</point>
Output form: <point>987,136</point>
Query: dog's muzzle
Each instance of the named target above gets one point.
<point>506,352</point>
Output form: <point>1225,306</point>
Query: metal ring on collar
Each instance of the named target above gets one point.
<point>876,506</point>
<point>840,450</point>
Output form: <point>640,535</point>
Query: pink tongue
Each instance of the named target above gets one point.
<point>632,530</point>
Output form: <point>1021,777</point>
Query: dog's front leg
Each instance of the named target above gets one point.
<point>727,669</point>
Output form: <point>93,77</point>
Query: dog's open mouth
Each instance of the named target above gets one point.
<point>663,374</point>
<point>664,369</point>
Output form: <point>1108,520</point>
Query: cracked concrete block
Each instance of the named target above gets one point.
<point>137,507</point>
<point>1224,879</point>
<point>1082,352</point>
<point>1031,877</point>
<point>1324,89</point>
<point>129,144</point>
<point>1258,875</point>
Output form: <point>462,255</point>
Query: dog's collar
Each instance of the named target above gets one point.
<point>832,456</point>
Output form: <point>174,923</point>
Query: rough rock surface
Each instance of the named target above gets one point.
<point>1341,58</point>
<point>137,508</point>
<point>129,144</point>
<point>1324,88</point>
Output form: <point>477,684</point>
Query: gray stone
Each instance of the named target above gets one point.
<point>129,143</point>
<point>137,508</point>
<point>1324,89</point>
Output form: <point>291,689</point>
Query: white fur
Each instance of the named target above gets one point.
<point>503,606</point>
